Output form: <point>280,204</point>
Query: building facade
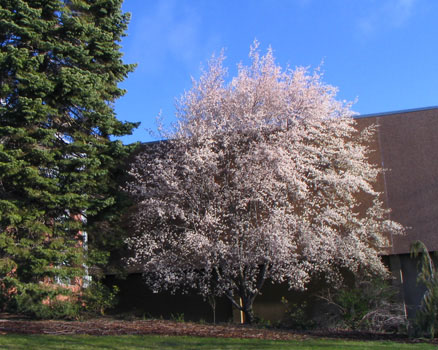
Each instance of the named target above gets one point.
<point>406,146</point>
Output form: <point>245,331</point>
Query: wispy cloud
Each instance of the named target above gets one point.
<point>387,14</point>
<point>400,11</point>
<point>172,30</point>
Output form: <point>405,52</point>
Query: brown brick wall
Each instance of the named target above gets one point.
<point>408,147</point>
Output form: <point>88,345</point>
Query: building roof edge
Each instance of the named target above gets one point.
<point>394,112</point>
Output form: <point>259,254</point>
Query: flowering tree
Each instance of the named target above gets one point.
<point>257,181</point>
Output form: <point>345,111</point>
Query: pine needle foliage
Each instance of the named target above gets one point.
<point>60,64</point>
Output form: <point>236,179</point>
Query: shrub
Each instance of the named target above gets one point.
<point>97,298</point>
<point>426,321</point>
<point>297,316</point>
<point>56,302</point>
<point>370,305</point>
<point>45,302</point>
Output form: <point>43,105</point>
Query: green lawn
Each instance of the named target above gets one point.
<point>34,342</point>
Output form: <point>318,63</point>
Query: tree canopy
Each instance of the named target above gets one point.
<point>60,63</point>
<point>259,180</point>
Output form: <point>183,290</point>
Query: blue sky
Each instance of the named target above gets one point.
<point>384,53</point>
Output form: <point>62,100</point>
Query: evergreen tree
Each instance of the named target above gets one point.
<point>60,64</point>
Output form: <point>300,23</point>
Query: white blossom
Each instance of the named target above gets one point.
<point>260,179</point>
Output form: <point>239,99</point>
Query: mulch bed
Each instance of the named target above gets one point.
<point>140,327</point>
<point>103,326</point>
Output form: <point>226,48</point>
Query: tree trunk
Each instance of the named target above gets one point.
<point>212,302</point>
<point>247,310</point>
<point>247,296</point>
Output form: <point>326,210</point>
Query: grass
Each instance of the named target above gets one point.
<point>76,342</point>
